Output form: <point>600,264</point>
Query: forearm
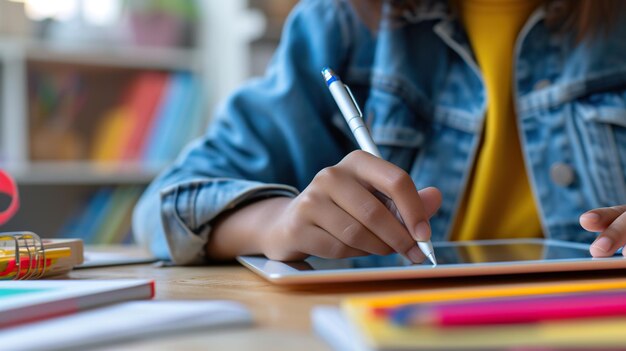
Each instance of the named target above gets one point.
<point>245,230</point>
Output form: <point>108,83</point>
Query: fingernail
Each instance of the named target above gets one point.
<point>416,255</point>
<point>422,231</point>
<point>591,217</point>
<point>604,243</point>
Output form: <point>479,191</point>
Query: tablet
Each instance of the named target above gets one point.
<point>468,258</point>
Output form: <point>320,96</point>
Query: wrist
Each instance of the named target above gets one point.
<point>245,231</point>
<point>268,233</point>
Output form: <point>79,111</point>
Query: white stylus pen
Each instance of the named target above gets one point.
<point>352,113</point>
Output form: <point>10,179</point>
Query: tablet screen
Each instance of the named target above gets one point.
<point>456,253</point>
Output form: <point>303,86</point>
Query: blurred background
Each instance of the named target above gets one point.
<point>97,96</point>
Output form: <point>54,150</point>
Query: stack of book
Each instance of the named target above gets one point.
<point>588,314</point>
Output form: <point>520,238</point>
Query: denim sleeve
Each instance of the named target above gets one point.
<point>269,139</point>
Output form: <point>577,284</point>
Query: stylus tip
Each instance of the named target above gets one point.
<point>427,249</point>
<point>432,259</point>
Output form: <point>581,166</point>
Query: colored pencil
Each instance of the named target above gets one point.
<point>512,310</point>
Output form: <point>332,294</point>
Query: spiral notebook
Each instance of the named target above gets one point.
<point>23,255</point>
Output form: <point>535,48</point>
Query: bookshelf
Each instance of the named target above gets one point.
<point>121,56</point>
<point>45,83</point>
<point>83,172</point>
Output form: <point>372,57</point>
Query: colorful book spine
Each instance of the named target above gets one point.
<point>142,103</point>
<point>106,219</point>
<point>82,223</point>
<point>118,218</point>
<point>156,115</point>
<point>108,146</point>
<point>194,118</point>
<point>170,120</point>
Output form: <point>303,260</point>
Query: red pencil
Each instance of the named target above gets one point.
<point>512,310</point>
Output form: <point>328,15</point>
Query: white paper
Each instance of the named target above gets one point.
<point>126,321</point>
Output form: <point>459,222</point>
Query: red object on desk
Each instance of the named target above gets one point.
<point>8,187</point>
<point>511,311</point>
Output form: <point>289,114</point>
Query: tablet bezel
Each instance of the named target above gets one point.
<point>280,273</point>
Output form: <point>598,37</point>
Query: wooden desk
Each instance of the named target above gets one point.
<point>281,317</point>
<point>282,314</point>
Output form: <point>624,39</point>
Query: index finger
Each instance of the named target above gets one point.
<point>396,184</point>
<point>611,239</point>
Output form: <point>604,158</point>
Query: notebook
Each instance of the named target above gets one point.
<point>29,301</point>
<point>359,325</point>
<point>23,255</point>
<point>75,258</point>
<point>124,322</point>
<point>97,259</point>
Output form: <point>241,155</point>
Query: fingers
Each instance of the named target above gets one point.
<point>599,219</point>
<point>611,238</point>
<point>318,242</point>
<point>395,183</point>
<point>611,222</point>
<point>362,205</point>
<point>341,203</point>
<point>349,231</point>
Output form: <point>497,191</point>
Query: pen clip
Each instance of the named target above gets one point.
<point>354,101</point>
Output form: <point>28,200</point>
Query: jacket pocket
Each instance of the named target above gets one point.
<point>600,121</point>
<point>396,129</point>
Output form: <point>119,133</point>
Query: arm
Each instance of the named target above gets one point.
<point>268,140</point>
<point>275,139</point>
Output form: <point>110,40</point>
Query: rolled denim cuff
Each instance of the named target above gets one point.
<point>188,209</point>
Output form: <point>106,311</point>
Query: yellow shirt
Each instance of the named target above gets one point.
<point>498,202</point>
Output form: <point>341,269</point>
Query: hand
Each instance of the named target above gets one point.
<point>338,215</point>
<point>611,223</point>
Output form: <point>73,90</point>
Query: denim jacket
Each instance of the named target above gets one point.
<point>424,99</point>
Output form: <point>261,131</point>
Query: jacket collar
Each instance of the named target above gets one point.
<point>411,12</point>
